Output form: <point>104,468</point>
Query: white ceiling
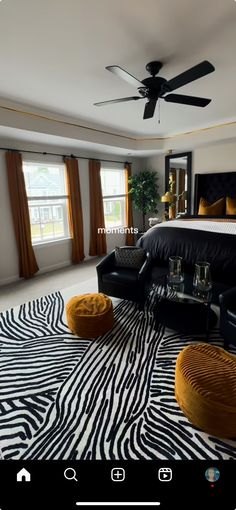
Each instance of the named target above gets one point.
<point>53,55</point>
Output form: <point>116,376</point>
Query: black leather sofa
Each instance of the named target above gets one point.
<point>124,283</point>
<point>228,316</point>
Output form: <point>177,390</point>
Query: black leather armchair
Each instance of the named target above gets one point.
<point>228,316</point>
<point>124,283</point>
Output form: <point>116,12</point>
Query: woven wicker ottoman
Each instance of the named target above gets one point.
<point>90,315</point>
<point>205,388</point>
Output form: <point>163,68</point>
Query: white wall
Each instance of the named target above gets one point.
<point>54,254</point>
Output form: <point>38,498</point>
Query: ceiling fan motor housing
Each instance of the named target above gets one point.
<point>153,87</point>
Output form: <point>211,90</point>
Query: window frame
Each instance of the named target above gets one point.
<point>45,199</point>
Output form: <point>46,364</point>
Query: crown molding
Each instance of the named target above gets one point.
<point>19,118</point>
<point>64,122</point>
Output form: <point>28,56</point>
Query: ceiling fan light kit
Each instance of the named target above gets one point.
<point>154,87</point>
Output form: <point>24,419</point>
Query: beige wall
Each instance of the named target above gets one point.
<point>215,158</point>
<point>49,255</point>
<point>210,158</point>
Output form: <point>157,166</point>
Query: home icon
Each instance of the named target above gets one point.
<point>23,476</point>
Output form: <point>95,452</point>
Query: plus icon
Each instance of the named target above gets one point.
<point>117,474</point>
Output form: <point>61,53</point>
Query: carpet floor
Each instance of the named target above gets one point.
<point>62,397</point>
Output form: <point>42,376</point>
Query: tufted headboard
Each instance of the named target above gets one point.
<point>214,186</point>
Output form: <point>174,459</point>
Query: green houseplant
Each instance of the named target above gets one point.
<point>144,192</point>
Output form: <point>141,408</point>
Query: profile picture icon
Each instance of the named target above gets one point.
<point>212,474</point>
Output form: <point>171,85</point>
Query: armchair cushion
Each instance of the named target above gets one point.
<point>123,276</point>
<point>130,257</point>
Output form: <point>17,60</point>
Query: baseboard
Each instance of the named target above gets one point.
<point>54,267</point>
<point>10,279</point>
<point>46,269</point>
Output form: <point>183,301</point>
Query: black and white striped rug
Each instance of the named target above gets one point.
<point>109,398</point>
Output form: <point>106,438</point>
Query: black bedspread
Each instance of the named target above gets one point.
<point>194,246</point>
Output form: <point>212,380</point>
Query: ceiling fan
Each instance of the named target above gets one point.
<point>154,88</point>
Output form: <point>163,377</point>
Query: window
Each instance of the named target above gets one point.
<point>47,200</point>
<point>114,197</point>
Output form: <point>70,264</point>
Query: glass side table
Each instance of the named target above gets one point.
<point>183,308</point>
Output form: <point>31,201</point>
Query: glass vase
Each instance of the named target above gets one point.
<point>202,277</point>
<point>175,270</point>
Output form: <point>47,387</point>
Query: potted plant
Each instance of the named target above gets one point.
<point>144,193</point>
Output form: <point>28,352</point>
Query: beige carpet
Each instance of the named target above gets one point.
<point>82,277</point>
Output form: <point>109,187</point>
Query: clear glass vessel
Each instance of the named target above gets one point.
<point>202,276</point>
<point>175,270</point>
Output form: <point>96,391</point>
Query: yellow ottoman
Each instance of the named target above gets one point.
<point>90,315</point>
<point>205,388</point>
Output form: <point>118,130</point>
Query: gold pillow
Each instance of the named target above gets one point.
<point>215,209</point>
<point>230,205</point>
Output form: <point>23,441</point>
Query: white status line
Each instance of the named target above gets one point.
<point>116,503</point>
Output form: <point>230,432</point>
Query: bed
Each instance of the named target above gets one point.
<point>199,238</point>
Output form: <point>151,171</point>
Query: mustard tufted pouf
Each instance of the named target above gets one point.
<point>205,388</point>
<point>90,315</point>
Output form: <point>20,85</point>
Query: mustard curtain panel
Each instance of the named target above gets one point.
<point>129,211</point>
<point>20,213</point>
<point>98,245</point>
<point>75,210</point>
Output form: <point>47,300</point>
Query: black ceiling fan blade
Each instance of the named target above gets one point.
<point>190,100</point>
<point>149,109</point>
<point>121,100</point>
<point>194,73</point>
<point>124,75</point>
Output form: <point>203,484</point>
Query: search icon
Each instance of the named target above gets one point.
<point>70,474</point>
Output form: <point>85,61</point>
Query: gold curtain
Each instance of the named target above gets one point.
<point>75,210</point>
<point>98,245</point>
<point>129,210</point>
<point>20,213</point>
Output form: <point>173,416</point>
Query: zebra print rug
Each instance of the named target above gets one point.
<point>109,398</point>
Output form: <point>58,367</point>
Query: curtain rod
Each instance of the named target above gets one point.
<point>62,155</point>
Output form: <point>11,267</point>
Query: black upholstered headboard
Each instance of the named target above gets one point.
<point>214,186</point>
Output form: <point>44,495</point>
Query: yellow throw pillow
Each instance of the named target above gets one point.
<point>215,209</point>
<point>230,205</point>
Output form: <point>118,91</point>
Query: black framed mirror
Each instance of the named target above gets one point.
<point>178,177</point>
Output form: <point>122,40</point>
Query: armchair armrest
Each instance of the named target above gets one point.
<point>227,297</point>
<point>146,267</point>
<point>106,264</point>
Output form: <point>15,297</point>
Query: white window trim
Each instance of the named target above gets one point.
<point>123,195</point>
<point>48,197</point>
<point>61,240</point>
<point>67,236</point>
<point>115,196</point>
